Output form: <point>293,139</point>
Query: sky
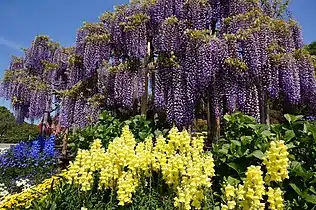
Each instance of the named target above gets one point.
<point>21,21</point>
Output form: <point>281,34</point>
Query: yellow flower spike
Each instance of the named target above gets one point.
<point>229,192</point>
<point>276,162</point>
<point>253,189</point>
<point>275,199</point>
<point>181,161</point>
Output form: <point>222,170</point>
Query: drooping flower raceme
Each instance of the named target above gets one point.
<point>276,162</point>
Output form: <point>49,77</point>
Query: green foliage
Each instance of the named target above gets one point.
<point>6,121</point>
<point>311,48</point>
<point>140,127</point>
<point>109,127</point>
<point>11,132</point>
<point>245,143</point>
<point>300,137</point>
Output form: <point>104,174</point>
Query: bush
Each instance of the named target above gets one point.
<point>245,143</point>
<point>109,127</point>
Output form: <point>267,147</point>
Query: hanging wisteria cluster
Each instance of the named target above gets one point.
<point>236,54</point>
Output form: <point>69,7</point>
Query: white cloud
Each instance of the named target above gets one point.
<point>9,44</point>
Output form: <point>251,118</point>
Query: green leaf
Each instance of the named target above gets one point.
<point>313,181</point>
<point>234,166</point>
<point>245,140</point>
<point>310,198</point>
<point>142,135</point>
<point>258,154</point>
<point>292,118</point>
<point>289,134</point>
<point>290,145</point>
<point>232,181</point>
<point>54,206</point>
<point>227,117</point>
<point>266,133</point>
<point>312,129</point>
<point>288,118</point>
<point>223,151</point>
<point>312,189</point>
<point>296,189</point>
<point>237,143</point>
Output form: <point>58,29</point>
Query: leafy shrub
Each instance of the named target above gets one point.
<point>245,142</point>
<point>32,161</point>
<point>108,127</point>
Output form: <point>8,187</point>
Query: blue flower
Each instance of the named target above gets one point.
<point>49,146</point>
<point>35,149</point>
<point>35,161</point>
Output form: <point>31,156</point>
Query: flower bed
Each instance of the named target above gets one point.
<point>249,168</point>
<point>27,164</point>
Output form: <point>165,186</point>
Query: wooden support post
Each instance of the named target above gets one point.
<point>213,121</point>
<point>144,103</point>
<point>263,105</point>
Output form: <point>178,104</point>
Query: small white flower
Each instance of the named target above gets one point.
<point>3,190</point>
<point>3,193</point>
<point>84,208</point>
<point>22,182</point>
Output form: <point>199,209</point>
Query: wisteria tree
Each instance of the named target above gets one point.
<point>231,55</point>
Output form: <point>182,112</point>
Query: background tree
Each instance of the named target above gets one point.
<point>311,48</point>
<point>6,121</point>
<point>11,132</point>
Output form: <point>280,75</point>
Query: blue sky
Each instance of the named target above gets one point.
<point>21,20</point>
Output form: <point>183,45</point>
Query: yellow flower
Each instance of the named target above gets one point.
<point>24,199</point>
<point>275,199</point>
<point>127,185</point>
<point>184,166</point>
<point>276,162</point>
<point>229,191</point>
<point>254,189</point>
<point>224,207</point>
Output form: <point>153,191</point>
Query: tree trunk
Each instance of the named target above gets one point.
<point>45,118</point>
<point>65,143</point>
<point>263,106</point>
<point>144,103</point>
<point>20,115</point>
<point>213,121</point>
